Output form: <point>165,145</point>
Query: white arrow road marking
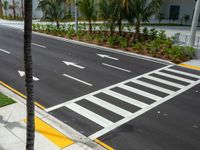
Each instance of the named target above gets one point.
<point>73,64</point>
<point>22,73</point>
<point>77,80</point>
<point>42,46</point>
<point>2,50</point>
<point>116,67</point>
<point>107,56</point>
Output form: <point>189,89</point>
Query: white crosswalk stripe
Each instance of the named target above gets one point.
<point>130,100</point>
<point>140,92</point>
<point>125,98</point>
<point>183,73</point>
<point>167,91</point>
<point>109,106</point>
<point>175,77</point>
<point>165,81</point>
<point>90,115</point>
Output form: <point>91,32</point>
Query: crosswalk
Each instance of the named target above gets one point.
<point>143,92</point>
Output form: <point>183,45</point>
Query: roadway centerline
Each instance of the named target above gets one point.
<point>77,80</point>
<point>42,46</point>
<point>116,67</point>
<point>2,50</point>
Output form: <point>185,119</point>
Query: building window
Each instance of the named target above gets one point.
<point>174,12</point>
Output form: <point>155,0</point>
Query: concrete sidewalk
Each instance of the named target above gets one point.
<point>50,133</point>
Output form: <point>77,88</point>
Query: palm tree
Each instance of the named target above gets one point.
<point>88,10</point>
<point>69,2</point>
<point>143,10</point>
<point>109,11</point>
<point>30,134</point>
<point>1,8</point>
<point>13,7</point>
<point>22,8</point>
<point>53,10</point>
<point>5,7</point>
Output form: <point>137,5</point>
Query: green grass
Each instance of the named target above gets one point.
<point>4,100</point>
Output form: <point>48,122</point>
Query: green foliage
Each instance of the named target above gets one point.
<point>138,46</point>
<point>4,100</point>
<point>123,42</point>
<point>179,52</point>
<point>53,10</point>
<point>153,33</point>
<point>88,10</point>
<point>99,38</point>
<point>112,40</point>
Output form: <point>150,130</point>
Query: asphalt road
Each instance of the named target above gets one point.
<point>128,102</point>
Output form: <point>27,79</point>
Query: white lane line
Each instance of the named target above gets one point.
<point>125,98</point>
<point>164,81</point>
<point>90,115</point>
<point>140,92</point>
<point>109,106</point>
<point>68,76</point>
<point>116,67</point>
<point>152,86</point>
<point>107,56</point>
<point>182,72</point>
<point>174,77</point>
<point>42,46</point>
<point>73,64</point>
<point>140,112</point>
<point>2,50</point>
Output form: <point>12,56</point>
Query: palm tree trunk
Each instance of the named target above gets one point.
<point>90,26</point>
<point>30,134</point>
<point>1,8</point>
<point>137,29</point>
<point>14,12</point>
<point>22,5</point>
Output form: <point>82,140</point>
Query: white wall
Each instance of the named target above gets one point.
<point>186,7</point>
<point>36,13</point>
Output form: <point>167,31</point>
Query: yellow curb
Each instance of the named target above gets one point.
<point>20,94</point>
<point>189,66</point>
<point>103,144</point>
<point>52,134</point>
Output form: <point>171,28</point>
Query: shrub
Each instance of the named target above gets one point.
<point>137,46</point>
<point>123,42</point>
<point>111,40</point>
<point>180,52</point>
<point>153,33</point>
<point>99,38</point>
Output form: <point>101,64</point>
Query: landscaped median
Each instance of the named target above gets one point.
<point>150,42</point>
<point>4,100</point>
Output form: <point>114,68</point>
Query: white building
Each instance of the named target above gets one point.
<point>177,9</point>
<point>18,8</point>
<point>171,9</point>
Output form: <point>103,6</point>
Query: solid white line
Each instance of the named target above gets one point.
<point>42,46</point>
<point>99,91</point>
<point>77,80</point>
<point>182,72</point>
<point>2,50</point>
<point>152,86</point>
<point>140,112</point>
<point>90,115</point>
<point>109,106</point>
<point>116,67</point>
<point>174,77</point>
<point>140,92</point>
<point>165,81</point>
<point>125,98</point>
